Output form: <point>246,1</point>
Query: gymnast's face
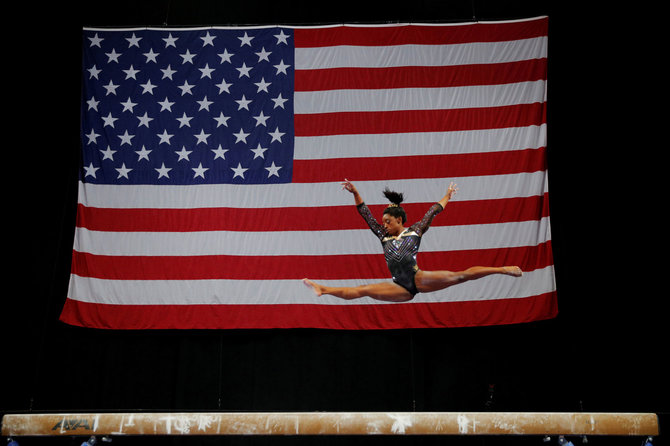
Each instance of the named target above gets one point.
<point>393,225</point>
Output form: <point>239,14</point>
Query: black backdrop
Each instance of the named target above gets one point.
<point>604,352</point>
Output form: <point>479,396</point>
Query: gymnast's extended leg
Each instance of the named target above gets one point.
<point>386,291</point>
<point>427,281</point>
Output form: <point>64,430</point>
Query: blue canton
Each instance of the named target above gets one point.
<point>182,107</point>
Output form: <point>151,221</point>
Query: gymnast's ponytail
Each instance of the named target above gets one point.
<point>394,209</point>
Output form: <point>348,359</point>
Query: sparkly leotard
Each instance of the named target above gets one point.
<point>400,251</point>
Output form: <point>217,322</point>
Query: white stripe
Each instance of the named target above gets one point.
<point>307,194</point>
<point>448,98</point>
<point>420,55</point>
<point>428,143</point>
<point>293,243</point>
<point>255,292</point>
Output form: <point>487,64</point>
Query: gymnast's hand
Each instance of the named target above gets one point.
<point>451,190</point>
<point>349,186</point>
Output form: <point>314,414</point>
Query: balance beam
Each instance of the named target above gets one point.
<point>330,423</point>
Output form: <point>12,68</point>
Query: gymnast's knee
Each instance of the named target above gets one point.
<point>451,278</point>
<point>460,277</point>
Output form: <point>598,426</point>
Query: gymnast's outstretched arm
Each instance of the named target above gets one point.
<point>422,226</point>
<point>363,210</point>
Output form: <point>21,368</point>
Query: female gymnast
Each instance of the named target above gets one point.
<point>400,246</point>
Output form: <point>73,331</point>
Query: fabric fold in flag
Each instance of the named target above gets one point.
<point>211,162</point>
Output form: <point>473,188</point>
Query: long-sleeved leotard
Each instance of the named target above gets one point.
<point>400,251</point>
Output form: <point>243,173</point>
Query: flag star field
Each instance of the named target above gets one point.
<point>188,107</point>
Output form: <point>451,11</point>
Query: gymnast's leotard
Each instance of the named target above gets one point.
<point>400,251</point>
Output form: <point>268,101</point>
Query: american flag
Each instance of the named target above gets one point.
<point>211,162</point>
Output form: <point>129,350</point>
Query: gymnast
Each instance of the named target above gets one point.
<point>400,246</point>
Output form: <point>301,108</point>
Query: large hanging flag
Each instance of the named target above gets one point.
<point>211,162</point>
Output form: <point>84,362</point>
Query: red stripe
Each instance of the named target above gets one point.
<point>345,317</point>
<point>301,219</point>
<point>424,166</point>
<point>409,121</point>
<point>420,77</point>
<point>369,266</point>
<point>419,34</point>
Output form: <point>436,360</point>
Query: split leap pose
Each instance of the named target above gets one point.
<point>400,246</point>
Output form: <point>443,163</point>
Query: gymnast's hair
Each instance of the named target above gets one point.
<point>394,209</point>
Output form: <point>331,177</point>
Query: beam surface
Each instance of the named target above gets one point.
<point>331,423</point>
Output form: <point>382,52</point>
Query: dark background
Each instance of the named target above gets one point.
<point>606,351</point>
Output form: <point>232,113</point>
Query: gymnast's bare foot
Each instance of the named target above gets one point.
<point>313,285</point>
<point>513,271</point>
